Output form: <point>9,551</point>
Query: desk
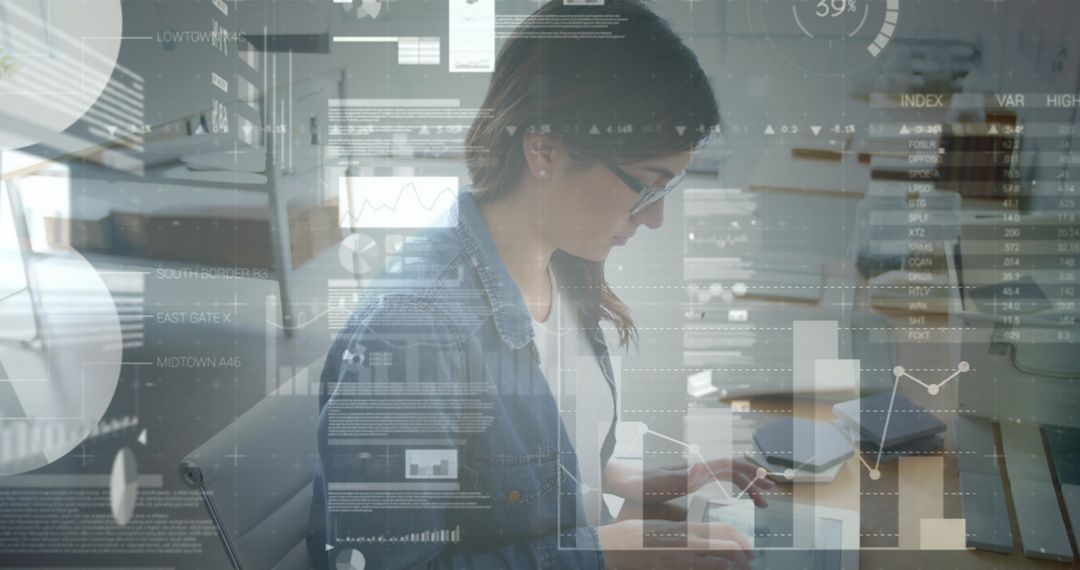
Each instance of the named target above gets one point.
<point>842,493</point>
<point>845,291</point>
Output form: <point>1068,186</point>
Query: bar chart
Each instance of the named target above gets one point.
<point>431,464</point>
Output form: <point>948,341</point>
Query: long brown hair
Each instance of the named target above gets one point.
<point>634,93</point>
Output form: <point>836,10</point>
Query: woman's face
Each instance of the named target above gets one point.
<point>586,211</point>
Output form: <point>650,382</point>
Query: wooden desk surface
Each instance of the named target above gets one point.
<point>931,349</point>
<point>934,344</point>
<point>844,492</point>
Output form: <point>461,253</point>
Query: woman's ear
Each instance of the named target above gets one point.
<point>541,154</point>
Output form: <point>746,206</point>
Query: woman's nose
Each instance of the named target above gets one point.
<point>651,217</point>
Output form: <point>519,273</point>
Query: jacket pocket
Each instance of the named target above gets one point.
<point>522,491</point>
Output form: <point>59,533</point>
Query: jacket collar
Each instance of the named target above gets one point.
<point>512,318</point>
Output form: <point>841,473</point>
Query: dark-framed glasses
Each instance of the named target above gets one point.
<point>647,195</point>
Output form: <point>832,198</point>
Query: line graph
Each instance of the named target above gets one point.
<point>695,451</point>
<point>899,372</point>
<point>873,468</point>
<point>932,389</point>
<point>396,201</point>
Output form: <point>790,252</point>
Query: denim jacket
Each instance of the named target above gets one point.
<point>468,335</point>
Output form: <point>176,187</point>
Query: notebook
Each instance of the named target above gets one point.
<point>871,417</point>
<point>802,444</point>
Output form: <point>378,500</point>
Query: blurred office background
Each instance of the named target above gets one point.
<point>202,190</point>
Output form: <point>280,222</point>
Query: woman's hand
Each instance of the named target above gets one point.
<point>674,545</point>
<point>666,483</point>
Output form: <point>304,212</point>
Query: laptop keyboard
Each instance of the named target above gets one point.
<point>1064,445</point>
<point>981,488</point>
<point>1043,532</point>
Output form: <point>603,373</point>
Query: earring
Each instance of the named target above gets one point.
<point>542,173</point>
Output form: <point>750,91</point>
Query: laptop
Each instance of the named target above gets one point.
<point>786,534</point>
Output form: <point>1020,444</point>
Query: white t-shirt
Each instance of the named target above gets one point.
<point>585,402</point>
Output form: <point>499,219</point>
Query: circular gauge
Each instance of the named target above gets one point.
<point>359,254</point>
<point>826,37</point>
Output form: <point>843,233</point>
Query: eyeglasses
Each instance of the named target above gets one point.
<point>647,195</point>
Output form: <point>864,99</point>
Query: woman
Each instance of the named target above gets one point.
<point>580,141</point>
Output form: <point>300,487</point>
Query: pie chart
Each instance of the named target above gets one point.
<point>359,254</point>
<point>349,559</point>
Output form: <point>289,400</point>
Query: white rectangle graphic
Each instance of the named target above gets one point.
<point>396,201</point>
<point>812,341</point>
<point>418,51</point>
<point>219,81</point>
<point>431,464</point>
<point>472,36</point>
